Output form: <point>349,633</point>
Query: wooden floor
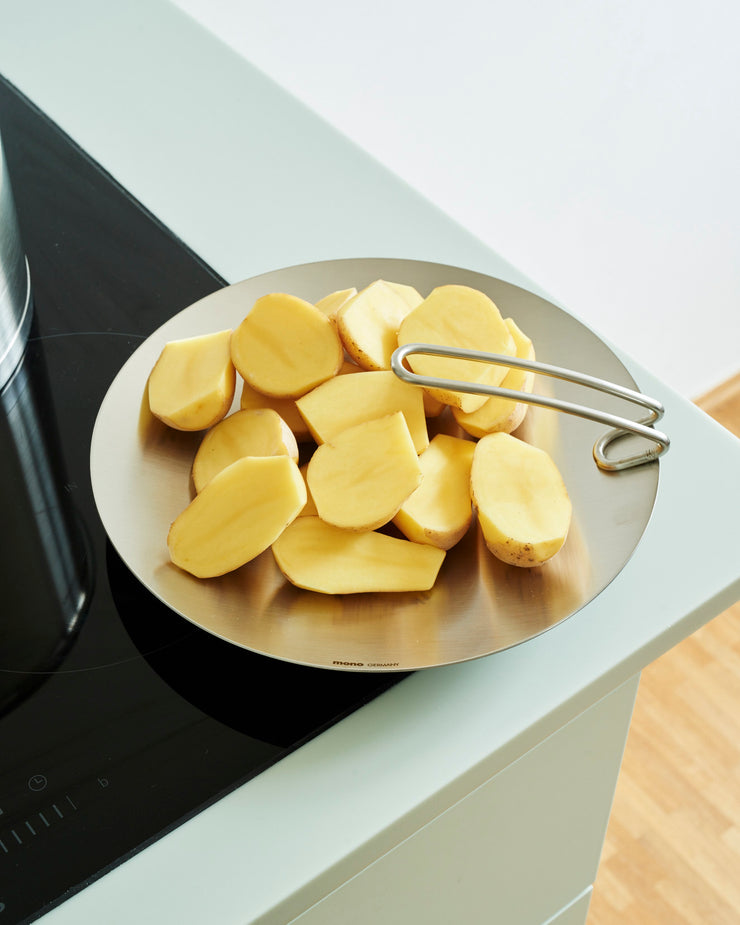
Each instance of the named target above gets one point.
<point>672,851</point>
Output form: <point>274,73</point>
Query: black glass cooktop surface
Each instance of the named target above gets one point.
<point>118,719</point>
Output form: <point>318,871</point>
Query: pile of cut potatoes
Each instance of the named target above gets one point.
<point>319,376</point>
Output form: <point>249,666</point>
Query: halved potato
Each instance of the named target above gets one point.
<point>252,400</point>
<point>523,506</point>
<point>261,432</point>
<point>192,384</point>
<point>410,295</point>
<point>457,316</point>
<point>331,303</point>
<point>285,346</point>
<point>360,479</point>
<point>502,414</point>
<point>347,400</point>
<point>239,513</point>
<point>368,323</point>
<point>320,557</point>
<point>439,512</point>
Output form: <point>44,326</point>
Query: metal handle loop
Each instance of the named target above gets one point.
<point>619,426</point>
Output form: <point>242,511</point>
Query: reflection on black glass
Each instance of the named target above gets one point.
<point>44,566</point>
<point>274,701</point>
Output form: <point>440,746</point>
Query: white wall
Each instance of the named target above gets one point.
<point>595,144</point>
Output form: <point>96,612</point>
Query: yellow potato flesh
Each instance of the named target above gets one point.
<point>285,346</point>
<point>252,400</point>
<point>345,401</point>
<point>246,433</point>
<point>439,512</point>
<point>192,384</point>
<point>360,479</point>
<point>502,414</point>
<point>331,303</point>
<point>320,557</point>
<point>239,513</point>
<point>368,323</point>
<point>411,296</point>
<point>457,316</point>
<point>523,506</point>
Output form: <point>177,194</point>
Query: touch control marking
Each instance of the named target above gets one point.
<point>37,782</point>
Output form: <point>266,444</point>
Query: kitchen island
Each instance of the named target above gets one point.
<point>471,792</point>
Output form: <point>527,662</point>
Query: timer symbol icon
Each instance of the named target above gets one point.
<point>37,782</point>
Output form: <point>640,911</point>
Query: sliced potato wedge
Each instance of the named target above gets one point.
<point>261,432</point>
<point>360,479</point>
<point>331,303</point>
<point>457,316</point>
<point>192,384</point>
<point>368,323</point>
<point>252,400</point>
<point>523,506</point>
<point>285,346</point>
<point>439,512</point>
<point>239,513</point>
<point>320,557</point>
<point>347,400</point>
<point>410,295</point>
<point>502,414</point>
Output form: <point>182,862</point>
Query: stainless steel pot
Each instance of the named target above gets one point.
<point>15,284</point>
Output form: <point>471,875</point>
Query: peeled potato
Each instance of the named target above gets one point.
<point>348,400</point>
<point>368,323</point>
<point>502,414</point>
<point>411,296</point>
<point>439,512</point>
<point>285,346</point>
<point>261,432</point>
<point>457,316</point>
<point>320,557</point>
<point>523,506</point>
<point>239,513</point>
<point>361,478</point>
<point>192,384</point>
<point>331,303</point>
<point>252,400</point>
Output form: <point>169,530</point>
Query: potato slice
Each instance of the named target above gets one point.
<point>320,557</point>
<point>522,503</point>
<point>252,400</point>
<point>361,478</point>
<point>261,432</point>
<point>439,512</point>
<point>457,316</point>
<point>331,303</point>
<point>411,296</point>
<point>239,513</point>
<point>368,323</point>
<point>285,346</point>
<point>192,384</point>
<point>502,414</point>
<point>347,400</point>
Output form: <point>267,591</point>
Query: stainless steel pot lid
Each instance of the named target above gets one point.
<point>140,475</point>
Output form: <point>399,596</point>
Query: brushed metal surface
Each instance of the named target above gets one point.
<point>141,481</point>
<point>15,287</point>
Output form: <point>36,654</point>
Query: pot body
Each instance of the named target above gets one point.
<point>15,288</point>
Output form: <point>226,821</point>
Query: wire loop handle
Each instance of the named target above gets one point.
<point>619,426</point>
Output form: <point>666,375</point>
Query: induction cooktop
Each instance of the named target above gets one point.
<point>119,720</point>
